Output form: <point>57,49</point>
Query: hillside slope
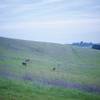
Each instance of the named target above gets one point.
<point>50,64</point>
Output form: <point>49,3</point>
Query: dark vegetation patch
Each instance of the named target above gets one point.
<point>96,46</point>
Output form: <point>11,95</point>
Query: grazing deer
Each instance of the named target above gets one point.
<point>54,69</point>
<point>27,60</point>
<point>24,63</point>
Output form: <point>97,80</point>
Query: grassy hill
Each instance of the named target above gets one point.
<point>76,75</point>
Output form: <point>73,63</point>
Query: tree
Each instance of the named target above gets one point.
<point>96,46</point>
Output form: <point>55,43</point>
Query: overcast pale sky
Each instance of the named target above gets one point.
<point>61,21</point>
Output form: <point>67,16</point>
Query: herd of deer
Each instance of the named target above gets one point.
<point>28,60</point>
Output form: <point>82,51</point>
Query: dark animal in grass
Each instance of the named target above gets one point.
<point>54,69</point>
<point>24,63</point>
<point>27,60</point>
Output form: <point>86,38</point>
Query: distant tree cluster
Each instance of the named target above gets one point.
<point>83,44</point>
<point>96,46</point>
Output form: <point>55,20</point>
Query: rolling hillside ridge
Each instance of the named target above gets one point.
<point>49,67</point>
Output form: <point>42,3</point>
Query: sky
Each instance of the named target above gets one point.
<point>59,21</point>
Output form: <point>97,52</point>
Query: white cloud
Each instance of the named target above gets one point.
<point>66,25</point>
<point>50,17</point>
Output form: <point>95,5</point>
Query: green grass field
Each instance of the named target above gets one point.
<point>76,75</point>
